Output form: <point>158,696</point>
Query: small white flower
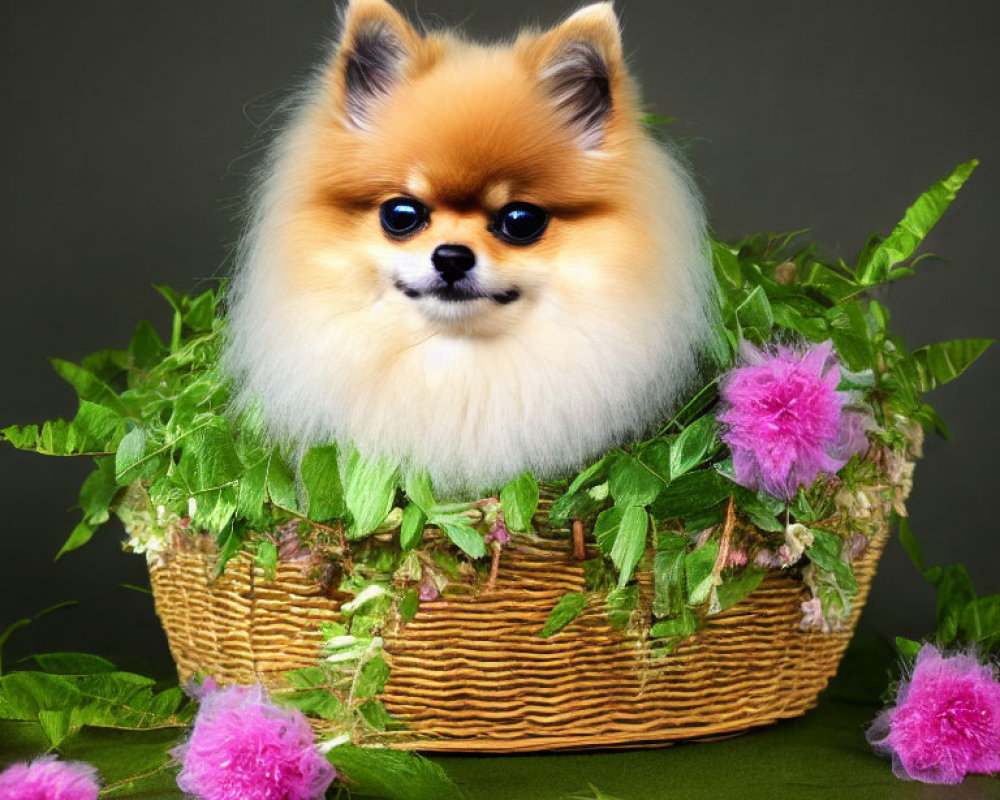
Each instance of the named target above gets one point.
<point>161,514</point>
<point>192,506</point>
<point>797,538</point>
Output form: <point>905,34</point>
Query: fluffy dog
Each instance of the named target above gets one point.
<point>473,260</point>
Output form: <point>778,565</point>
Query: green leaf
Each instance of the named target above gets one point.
<point>737,586</point>
<point>465,537</point>
<point>393,774</point>
<point>200,311</point>
<point>619,605</point>
<point>56,724</point>
<point>876,266</point>
<point>632,483</point>
<point>23,438</point>
<point>178,302</point>
<point>106,364</point>
<point>230,542</point>
<point>80,535</point>
<point>693,445</point>
<point>907,648</point>
<point>828,282</point>
<point>519,500</point>
<point>575,502</point>
<point>89,386</point>
<point>412,529</point>
<point>726,264</point>
<point>266,558</point>
<point>851,335</point>
<point>281,483</point>
<point>676,628</point>
<point>825,553</point>
<point>668,576</point>
<point>209,460</point>
<point>373,677</point>
<point>321,479</point>
<point>980,623</point>
<point>98,491</point>
<point>417,486</point>
<point>655,455</point>
<point>145,350</point>
<point>375,714</point>
<point>955,593</point>
<point>699,565</point>
<point>945,361</point>
<point>761,508</point>
<point>690,493</point>
<point>814,329</point>
<point>630,542</point>
<point>755,312</point>
<point>100,428</point>
<point>251,493</point>
<point>131,450</point>
<point>369,491</point>
<point>567,609</point>
<point>621,534</point>
<point>410,604</point>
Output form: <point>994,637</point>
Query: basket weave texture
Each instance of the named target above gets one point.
<point>470,672</point>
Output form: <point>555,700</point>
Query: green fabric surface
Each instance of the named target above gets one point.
<point>823,755</point>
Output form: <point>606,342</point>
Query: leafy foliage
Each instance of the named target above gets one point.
<point>72,690</point>
<point>964,619</point>
<point>567,609</point>
<point>170,456</point>
<point>393,774</point>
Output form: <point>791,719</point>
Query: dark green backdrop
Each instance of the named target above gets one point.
<point>124,125</point>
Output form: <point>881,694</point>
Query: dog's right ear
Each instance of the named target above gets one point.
<point>375,46</point>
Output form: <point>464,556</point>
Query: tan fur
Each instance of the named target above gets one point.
<point>613,296</point>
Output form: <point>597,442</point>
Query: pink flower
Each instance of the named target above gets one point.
<point>946,721</point>
<point>427,589</point>
<point>243,746</point>
<point>47,778</point>
<point>785,421</point>
<point>498,533</point>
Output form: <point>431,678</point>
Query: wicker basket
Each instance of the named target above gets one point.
<point>470,673</point>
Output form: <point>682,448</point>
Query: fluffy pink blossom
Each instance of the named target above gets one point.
<point>243,746</point>
<point>784,419</point>
<point>946,721</point>
<point>47,778</point>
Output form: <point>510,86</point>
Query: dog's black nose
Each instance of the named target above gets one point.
<point>452,261</point>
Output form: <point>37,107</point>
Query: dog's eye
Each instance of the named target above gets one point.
<point>520,223</point>
<point>402,216</point>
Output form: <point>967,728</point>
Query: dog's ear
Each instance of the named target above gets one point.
<point>580,64</point>
<point>375,47</point>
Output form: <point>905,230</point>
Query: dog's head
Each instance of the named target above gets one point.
<point>485,236</point>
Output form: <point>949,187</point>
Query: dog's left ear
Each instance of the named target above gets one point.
<point>375,48</point>
<point>581,66</point>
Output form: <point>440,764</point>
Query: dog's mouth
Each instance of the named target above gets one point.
<point>452,293</point>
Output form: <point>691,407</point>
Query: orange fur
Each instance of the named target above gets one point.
<point>465,129</point>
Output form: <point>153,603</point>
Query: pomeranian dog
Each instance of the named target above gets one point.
<point>473,260</point>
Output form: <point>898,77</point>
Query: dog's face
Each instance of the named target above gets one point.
<point>468,183</point>
<point>469,259</point>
